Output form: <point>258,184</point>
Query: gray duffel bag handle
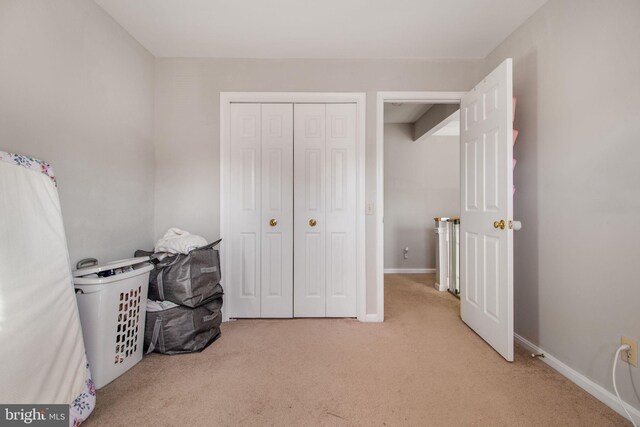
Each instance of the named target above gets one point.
<point>156,333</point>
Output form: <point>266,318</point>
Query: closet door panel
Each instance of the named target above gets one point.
<point>244,276</point>
<point>341,210</point>
<point>277,210</point>
<point>309,207</point>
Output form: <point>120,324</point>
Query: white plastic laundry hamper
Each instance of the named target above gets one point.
<point>112,300</point>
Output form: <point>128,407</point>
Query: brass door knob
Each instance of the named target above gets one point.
<point>312,222</point>
<point>499,224</point>
<point>273,222</point>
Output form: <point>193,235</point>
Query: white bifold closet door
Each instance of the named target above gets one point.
<point>261,197</point>
<point>325,210</point>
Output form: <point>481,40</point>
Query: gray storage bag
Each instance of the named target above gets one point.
<point>181,329</point>
<point>186,279</point>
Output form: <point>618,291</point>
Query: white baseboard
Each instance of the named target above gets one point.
<point>596,390</point>
<point>372,318</point>
<point>440,287</point>
<point>409,270</point>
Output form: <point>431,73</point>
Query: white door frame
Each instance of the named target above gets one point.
<point>405,97</point>
<point>226,99</point>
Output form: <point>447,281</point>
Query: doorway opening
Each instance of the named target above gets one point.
<point>422,195</point>
<point>414,128</point>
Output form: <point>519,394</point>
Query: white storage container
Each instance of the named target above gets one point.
<point>112,300</point>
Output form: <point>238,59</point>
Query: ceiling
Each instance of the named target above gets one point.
<point>404,112</point>
<point>424,29</point>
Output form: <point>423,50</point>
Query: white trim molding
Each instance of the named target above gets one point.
<point>372,318</point>
<point>440,287</point>
<point>596,390</point>
<point>358,98</point>
<point>406,97</point>
<point>409,270</point>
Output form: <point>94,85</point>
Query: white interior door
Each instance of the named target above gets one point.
<point>243,279</point>
<point>283,264</point>
<point>325,210</point>
<point>486,246</point>
<point>277,211</point>
<point>309,193</point>
<point>340,210</point>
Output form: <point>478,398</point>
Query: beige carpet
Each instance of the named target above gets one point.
<point>421,367</point>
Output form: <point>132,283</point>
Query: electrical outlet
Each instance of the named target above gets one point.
<point>406,253</point>
<point>631,357</point>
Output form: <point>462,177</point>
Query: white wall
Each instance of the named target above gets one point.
<point>421,182</point>
<point>77,91</point>
<point>577,258</point>
<point>187,130</point>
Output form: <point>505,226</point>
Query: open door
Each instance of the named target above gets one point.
<point>486,223</point>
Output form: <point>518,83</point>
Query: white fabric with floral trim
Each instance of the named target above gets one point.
<point>63,374</point>
<point>83,405</point>
<point>29,163</point>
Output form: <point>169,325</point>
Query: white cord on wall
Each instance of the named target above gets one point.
<point>623,347</point>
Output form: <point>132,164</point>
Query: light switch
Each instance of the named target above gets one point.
<point>370,209</point>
